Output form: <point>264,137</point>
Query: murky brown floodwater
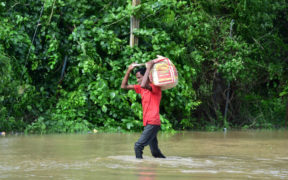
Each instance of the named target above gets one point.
<point>190,155</point>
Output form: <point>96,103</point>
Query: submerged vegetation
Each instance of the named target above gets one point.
<point>62,63</point>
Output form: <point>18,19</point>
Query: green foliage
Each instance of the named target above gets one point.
<point>270,113</point>
<point>36,36</point>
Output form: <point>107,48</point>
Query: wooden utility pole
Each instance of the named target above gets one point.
<point>286,114</point>
<point>134,23</point>
<point>228,89</point>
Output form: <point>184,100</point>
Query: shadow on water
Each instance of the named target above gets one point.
<point>198,155</point>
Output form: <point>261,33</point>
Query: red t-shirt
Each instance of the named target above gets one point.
<point>150,104</point>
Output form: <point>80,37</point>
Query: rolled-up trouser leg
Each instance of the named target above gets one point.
<point>149,133</point>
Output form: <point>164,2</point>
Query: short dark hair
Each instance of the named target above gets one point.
<point>142,70</point>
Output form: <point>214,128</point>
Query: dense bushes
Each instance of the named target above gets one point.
<point>41,91</point>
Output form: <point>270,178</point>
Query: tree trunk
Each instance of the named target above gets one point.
<point>218,100</point>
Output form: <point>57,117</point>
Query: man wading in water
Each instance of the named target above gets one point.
<point>151,97</point>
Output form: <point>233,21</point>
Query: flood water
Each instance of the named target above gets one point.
<point>190,155</point>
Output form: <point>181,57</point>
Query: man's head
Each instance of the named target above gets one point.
<point>139,74</point>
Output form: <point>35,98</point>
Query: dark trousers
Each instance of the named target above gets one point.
<point>148,137</point>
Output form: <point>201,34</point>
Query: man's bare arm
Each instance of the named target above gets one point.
<point>145,81</point>
<point>124,84</point>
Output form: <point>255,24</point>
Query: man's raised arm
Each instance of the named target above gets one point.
<point>124,84</point>
<point>145,81</point>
